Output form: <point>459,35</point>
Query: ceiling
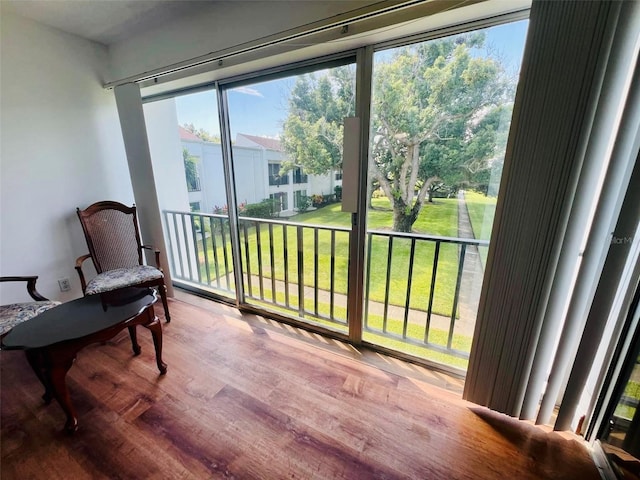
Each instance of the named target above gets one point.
<point>104,21</point>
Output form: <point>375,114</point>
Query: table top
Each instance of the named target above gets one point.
<point>79,318</point>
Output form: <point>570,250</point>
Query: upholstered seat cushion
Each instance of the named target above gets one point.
<point>122,277</point>
<point>15,313</point>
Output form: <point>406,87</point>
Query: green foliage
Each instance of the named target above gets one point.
<point>312,133</point>
<point>190,169</point>
<point>197,222</point>
<point>264,209</point>
<point>338,191</point>
<point>304,203</point>
<point>440,119</point>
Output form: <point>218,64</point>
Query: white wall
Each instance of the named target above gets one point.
<point>214,190</point>
<point>61,148</point>
<point>250,171</point>
<point>166,155</point>
<point>323,184</point>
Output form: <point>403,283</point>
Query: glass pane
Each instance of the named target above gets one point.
<point>184,140</point>
<point>621,441</point>
<point>287,151</point>
<point>440,116</point>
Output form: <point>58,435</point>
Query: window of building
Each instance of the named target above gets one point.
<point>280,201</point>
<point>299,177</point>
<point>298,197</point>
<point>274,175</point>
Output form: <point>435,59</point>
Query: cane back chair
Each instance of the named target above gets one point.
<point>113,238</point>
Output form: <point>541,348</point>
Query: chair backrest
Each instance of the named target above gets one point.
<point>111,231</point>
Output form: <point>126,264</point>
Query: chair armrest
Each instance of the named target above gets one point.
<point>79,262</point>
<point>31,285</point>
<point>157,254</point>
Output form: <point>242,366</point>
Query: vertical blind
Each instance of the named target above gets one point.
<point>571,92</point>
<point>613,142</point>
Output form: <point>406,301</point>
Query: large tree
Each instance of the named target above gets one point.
<point>440,114</point>
<point>312,133</point>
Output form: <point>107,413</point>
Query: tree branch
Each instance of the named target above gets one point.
<point>384,181</point>
<point>414,159</point>
<point>404,188</point>
<point>387,132</point>
<point>423,193</point>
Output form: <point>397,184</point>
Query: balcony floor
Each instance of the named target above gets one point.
<point>247,397</point>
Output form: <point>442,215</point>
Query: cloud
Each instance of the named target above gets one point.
<point>248,91</point>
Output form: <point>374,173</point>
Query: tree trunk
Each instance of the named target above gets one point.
<point>402,222</point>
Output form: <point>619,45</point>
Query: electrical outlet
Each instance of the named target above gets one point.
<point>64,284</point>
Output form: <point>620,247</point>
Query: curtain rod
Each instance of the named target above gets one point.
<point>370,12</point>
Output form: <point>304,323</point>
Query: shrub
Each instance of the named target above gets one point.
<point>338,190</point>
<point>264,209</point>
<point>317,200</point>
<point>224,210</point>
<point>304,203</point>
<point>221,210</point>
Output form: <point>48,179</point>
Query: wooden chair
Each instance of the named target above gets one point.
<point>111,231</point>
<point>16,313</point>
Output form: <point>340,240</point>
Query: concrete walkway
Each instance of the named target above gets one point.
<point>473,270</point>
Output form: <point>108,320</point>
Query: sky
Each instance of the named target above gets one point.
<point>260,109</point>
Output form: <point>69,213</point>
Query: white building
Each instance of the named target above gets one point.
<point>257,163</point>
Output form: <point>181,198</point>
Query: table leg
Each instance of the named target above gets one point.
<point>156,332</point>
<point>36,361</point>
<point>58,365</point>
<point>134,341</point>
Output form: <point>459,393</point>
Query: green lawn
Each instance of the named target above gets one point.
<point>632,390</point>
<point>442,216</point>
<point>481,212</point>
<point>439,218</point>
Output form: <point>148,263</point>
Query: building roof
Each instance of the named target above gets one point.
<point>268,143</point>
<point>187,135</point>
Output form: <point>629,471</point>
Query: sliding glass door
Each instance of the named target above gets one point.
<point>286,133</point>
<point>184,139</point>
<point>256,209</point>
<point>440,117</point>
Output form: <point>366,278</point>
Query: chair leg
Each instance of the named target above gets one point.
<point>163,296</point>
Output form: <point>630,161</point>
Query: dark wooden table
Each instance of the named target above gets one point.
<point>52,339</point>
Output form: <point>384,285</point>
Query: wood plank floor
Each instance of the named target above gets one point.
<point>246,397</point>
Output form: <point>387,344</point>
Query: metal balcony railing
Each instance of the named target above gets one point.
<point>193,185</point>
<point>425,251</point>
<point>302,268</point>
<point>278,180</point>
<point>299,178</point>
